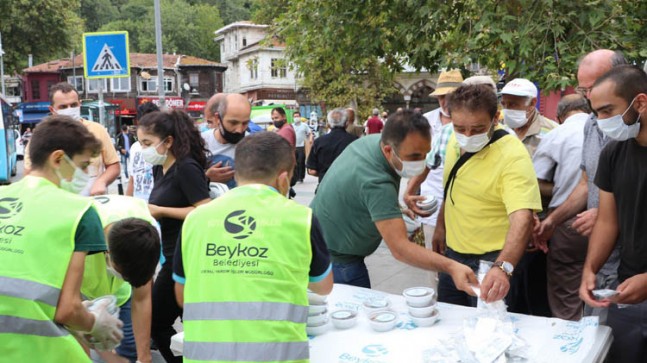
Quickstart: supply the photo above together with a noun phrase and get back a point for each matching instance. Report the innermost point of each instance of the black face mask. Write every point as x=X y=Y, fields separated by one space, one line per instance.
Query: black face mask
x=231 y=137
x=279 y=124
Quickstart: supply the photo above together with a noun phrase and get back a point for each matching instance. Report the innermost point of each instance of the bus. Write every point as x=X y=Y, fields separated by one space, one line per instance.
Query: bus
x=8 y=154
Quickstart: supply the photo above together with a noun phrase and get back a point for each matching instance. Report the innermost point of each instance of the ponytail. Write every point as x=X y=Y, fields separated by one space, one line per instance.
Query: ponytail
x=187 y=141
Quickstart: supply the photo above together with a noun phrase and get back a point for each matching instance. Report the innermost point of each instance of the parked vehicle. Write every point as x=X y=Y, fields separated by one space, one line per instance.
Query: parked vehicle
x=8 y=132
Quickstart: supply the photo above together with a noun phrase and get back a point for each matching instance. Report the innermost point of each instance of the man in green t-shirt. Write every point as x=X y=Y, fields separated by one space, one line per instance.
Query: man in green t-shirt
x=357 y=203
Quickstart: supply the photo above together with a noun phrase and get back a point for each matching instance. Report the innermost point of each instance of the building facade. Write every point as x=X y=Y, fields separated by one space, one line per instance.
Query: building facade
x=256 y=67
x=188 y=82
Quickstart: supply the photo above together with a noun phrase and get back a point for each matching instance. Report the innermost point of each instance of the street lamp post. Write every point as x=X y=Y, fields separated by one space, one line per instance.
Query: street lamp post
x=160 y=64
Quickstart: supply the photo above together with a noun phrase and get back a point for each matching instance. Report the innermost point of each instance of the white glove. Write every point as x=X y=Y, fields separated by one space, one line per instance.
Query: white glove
x=106 y=332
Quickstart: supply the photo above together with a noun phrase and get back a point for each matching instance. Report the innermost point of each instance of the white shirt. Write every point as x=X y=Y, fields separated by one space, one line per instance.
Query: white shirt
x=301 y=131
x=559 y=155
x=433 y=185
x=141 y=171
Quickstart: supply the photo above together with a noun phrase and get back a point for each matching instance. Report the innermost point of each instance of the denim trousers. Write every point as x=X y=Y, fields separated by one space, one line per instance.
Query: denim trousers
x=352 y=273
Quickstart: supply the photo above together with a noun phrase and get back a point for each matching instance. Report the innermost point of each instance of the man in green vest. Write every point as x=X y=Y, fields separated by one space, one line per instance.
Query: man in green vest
x=45 y=234
x=245 y=261
x=126 y=270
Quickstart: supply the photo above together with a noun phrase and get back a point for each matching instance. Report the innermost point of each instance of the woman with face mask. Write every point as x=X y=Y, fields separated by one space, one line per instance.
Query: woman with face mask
x=172 y=144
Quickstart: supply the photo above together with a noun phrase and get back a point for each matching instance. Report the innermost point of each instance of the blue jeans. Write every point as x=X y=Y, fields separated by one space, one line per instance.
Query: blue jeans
x=127 y=347
x=352 y=273
x=124 y=160
x=447 y=291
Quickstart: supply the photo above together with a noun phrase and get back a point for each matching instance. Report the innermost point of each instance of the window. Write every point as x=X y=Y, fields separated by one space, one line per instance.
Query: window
x=35 y=89
x=50 y=84
x=253 y=69
x=150 y=85
x=168 y=84
x=236 y=41
x=79 y=82
x=194 y=79
x=244 y=42
x=93 y=85
x=279 y=68
x=120 y=84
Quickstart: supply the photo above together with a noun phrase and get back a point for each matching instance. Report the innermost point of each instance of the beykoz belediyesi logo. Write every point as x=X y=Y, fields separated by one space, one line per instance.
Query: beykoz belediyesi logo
x=239 y=224
x=9 y=207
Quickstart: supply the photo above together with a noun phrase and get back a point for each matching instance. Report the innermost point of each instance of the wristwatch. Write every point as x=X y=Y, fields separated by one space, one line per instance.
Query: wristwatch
x=505 y=266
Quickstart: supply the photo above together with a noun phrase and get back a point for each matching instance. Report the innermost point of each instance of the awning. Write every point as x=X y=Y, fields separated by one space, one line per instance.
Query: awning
x=32 y=118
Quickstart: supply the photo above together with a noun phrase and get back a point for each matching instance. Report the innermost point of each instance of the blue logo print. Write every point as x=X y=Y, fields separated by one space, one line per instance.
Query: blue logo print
x=375 y=350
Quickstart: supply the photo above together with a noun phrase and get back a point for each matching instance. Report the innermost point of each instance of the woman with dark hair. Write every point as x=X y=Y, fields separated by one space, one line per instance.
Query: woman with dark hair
x=177 y=152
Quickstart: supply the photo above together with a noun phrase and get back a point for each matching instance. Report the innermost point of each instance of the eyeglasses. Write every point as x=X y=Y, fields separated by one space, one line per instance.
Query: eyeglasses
x=583 y=90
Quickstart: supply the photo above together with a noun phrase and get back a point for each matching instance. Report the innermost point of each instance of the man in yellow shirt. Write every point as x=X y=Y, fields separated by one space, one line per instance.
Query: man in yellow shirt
x=489 y=199
x=103 y=169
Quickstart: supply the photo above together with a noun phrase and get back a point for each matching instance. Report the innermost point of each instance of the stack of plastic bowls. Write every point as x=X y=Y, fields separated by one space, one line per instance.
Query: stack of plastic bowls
x=421 y=302
x=317 y=323
x=429 y=204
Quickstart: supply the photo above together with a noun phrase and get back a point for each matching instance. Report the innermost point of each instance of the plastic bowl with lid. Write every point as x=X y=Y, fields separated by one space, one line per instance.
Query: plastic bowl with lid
x=426 y=321
x=384 y=320
x=376 y=304
x=344 y=319
x=419 y=296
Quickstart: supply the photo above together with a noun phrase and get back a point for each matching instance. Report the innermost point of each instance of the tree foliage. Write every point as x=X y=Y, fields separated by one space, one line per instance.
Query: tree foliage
x=44 y=28
x=343 y=50
x=186 y=28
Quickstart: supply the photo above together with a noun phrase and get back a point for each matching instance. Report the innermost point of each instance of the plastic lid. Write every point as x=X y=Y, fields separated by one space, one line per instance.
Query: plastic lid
x=416 y=292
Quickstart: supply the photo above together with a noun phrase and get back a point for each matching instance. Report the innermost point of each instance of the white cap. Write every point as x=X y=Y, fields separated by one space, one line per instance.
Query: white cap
x=520 y=87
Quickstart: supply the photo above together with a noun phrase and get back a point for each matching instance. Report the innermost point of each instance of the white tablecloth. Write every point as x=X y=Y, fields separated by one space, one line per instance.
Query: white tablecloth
x=552 y=340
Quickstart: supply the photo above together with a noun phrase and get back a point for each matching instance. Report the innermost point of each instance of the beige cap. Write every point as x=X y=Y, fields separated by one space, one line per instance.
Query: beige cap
x=448 y=81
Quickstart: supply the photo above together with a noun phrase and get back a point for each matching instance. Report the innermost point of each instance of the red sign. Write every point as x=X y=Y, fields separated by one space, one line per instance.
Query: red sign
x=196 y=106
x=171 y=102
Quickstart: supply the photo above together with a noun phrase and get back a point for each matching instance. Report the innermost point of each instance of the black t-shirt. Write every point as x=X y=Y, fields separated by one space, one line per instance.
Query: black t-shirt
x=622 y=170
x=327 y=148
x=319 y=265
x=183 y=185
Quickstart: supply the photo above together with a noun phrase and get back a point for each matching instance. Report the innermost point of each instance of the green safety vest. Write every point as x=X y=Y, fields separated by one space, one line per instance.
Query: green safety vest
x=246 y=258
x=96 y=280
x=38 y=224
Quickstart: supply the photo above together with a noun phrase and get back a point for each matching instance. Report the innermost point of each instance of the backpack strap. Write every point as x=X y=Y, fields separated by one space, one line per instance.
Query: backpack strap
x=449 y=185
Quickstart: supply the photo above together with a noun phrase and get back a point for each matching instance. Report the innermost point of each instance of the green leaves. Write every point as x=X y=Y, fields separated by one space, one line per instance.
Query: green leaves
x=350 y=51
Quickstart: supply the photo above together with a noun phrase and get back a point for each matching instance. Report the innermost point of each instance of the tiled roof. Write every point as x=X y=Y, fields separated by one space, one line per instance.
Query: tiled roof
x=137 y=60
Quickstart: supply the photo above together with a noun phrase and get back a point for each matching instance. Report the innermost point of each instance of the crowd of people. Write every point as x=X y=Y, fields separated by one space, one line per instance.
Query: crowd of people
x=207 y=233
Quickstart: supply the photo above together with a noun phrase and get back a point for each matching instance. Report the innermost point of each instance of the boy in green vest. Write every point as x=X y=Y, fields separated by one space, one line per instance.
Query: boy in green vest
x=46 y=234
x=246 y=260
x=126 y=271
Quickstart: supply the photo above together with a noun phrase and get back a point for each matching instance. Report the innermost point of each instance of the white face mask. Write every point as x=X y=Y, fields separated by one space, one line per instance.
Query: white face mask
x=410 y=168
x=615 y=127
x=473 y=143
x=111 y=269
x=442 y=112
x=151 y=156
x=515 y=118
x=73 y=112
x=79 y=179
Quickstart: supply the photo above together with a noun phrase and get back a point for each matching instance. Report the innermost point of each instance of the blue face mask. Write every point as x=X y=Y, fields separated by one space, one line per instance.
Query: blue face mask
x=203 y=127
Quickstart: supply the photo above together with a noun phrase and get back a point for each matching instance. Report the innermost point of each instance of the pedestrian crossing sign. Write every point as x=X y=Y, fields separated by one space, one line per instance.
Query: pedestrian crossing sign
x=105 y=55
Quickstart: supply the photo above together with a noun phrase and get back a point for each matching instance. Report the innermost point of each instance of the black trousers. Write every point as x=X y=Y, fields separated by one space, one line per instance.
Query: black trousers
x=165 y=311
x=300 y=167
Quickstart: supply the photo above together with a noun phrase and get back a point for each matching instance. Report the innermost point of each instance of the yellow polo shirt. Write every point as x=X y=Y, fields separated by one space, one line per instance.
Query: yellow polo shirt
x=497 y=181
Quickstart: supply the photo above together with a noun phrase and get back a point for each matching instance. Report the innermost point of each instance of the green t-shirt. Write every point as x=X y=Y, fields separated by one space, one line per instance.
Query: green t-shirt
x=89 y=233
x=360 y=188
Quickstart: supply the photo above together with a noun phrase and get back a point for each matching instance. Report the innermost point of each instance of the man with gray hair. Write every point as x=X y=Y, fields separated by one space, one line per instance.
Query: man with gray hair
x=211 y=110
x=328 y=147
x=374 y=124
x=230 y=122
x=557 y=164
x=582 y=204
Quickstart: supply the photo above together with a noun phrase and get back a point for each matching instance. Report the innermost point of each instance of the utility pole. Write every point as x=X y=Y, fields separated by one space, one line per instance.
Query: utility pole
x=160 y=64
